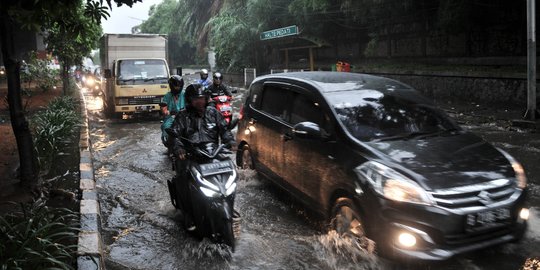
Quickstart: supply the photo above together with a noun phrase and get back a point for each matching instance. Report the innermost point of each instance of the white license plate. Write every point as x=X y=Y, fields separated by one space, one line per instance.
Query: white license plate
x=215 y=168
x=143 y=108
x=488 y=218
x=225 y=108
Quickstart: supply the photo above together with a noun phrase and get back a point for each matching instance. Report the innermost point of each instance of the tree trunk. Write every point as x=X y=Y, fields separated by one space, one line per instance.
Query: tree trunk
x=25 y=146
x=65 y=79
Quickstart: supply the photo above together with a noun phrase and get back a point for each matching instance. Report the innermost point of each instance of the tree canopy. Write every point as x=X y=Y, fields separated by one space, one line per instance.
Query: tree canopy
x=232 y=27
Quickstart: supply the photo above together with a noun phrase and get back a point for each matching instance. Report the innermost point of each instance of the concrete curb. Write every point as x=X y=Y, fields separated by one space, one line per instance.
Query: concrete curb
x=89 y=250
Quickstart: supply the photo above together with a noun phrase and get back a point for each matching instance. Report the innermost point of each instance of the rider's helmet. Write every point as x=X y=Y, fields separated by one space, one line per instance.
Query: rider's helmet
x=194 y=90
x=176 y=83
x=218 y=78
x=204 y=74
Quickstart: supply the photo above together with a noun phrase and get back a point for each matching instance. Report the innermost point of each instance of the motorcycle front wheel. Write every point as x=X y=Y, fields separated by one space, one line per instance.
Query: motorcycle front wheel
x=227 y=234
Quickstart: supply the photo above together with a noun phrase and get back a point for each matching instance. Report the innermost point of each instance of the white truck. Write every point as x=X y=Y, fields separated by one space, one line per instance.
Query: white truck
x=136 y=73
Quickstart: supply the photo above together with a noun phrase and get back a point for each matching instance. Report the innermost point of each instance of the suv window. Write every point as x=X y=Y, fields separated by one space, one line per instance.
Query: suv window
x=370 y=115
x=305 y=110
x=276 y=101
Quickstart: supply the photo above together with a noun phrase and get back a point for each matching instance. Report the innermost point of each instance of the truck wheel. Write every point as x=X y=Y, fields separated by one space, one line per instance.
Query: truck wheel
x=346 y=219
x=244 y=159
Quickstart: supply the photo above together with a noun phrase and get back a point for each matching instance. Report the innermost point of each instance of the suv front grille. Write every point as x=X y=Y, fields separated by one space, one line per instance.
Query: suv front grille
x=479 y=195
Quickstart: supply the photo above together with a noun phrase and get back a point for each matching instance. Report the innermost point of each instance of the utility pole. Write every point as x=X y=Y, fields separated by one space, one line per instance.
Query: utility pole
x=531 y=61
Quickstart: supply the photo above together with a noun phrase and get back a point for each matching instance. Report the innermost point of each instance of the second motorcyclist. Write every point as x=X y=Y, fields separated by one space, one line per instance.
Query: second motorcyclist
x=171 y=104
x=198 y=123
x=217 y=88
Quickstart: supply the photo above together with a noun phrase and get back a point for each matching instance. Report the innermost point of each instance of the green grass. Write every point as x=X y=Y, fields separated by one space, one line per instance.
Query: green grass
x=38 y=237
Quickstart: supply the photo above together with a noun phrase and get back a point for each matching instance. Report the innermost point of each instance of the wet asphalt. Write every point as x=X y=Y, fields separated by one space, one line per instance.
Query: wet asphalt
x=142 y=230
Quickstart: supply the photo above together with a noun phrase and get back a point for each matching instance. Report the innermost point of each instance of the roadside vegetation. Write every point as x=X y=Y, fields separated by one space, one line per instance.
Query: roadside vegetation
x=54 y=128
x=43 y=234
x=36 y=236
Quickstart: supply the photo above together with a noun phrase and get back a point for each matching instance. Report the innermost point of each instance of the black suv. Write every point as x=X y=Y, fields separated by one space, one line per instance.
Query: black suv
x=378 y=159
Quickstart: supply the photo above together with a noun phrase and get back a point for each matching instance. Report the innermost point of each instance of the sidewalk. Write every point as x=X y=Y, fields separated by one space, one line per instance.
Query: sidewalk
x=508 y=117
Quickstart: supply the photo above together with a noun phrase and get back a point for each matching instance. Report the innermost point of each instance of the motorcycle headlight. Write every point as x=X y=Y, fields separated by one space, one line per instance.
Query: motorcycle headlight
x=391 y=184
x=209 y=193
x=205 y=182
x=90 y=81
x=521 y=178
x=230 y=180
x=231 y=189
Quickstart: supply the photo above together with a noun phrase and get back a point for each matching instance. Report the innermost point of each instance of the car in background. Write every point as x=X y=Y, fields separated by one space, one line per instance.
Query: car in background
x=92 y=81
x=377 y=159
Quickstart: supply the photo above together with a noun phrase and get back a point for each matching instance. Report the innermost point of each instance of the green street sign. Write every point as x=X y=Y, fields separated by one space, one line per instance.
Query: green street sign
x=280 y=32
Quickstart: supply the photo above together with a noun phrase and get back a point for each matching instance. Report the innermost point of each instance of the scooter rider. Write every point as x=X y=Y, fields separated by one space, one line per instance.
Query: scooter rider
x=217 y=88
x=204 y=81
x=171 y=104
x=197 y=123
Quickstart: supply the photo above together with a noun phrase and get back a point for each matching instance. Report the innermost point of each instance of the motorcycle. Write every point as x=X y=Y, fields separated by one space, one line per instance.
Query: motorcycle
x=224 y=106
x=212 y=180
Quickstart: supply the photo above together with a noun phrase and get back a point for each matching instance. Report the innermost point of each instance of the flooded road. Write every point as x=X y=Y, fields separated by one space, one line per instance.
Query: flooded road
x=142 y=230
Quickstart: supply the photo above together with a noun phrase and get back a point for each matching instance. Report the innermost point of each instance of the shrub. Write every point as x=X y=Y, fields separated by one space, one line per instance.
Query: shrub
x=53 y=128
x=39 y=72
x=38 y=237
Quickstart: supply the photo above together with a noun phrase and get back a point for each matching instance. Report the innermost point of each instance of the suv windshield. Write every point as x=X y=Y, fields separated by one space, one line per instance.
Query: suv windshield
x=142 y=72
x=373 y=115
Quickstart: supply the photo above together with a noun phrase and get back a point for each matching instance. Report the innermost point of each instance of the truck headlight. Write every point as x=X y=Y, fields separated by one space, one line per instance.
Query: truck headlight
x=521 y=178
x=123 y=101
x=391 y=184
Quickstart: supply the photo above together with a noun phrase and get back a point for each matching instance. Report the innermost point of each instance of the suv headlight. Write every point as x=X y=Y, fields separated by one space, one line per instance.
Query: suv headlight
x=518 y=169
x=391 y=184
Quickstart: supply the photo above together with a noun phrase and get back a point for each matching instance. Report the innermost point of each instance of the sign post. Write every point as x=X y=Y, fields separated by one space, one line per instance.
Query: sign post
x=531 y=61
x=280 y=32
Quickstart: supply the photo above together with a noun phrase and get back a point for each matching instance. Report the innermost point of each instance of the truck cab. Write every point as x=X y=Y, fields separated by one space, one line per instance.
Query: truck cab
x=136 y=86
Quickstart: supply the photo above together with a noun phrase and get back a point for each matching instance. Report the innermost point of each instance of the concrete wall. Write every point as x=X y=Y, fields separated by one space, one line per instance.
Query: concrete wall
x=509 y=91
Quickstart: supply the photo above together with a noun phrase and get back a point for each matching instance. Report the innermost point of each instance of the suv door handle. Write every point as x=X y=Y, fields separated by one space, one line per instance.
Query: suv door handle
x=286 y=137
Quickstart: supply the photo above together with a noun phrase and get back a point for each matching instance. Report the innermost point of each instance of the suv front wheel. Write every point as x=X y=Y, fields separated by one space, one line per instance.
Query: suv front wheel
x=346 y=219
x=244 y=159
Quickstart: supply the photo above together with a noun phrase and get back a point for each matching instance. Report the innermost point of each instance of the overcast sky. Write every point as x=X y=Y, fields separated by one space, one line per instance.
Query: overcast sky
x=124 y=18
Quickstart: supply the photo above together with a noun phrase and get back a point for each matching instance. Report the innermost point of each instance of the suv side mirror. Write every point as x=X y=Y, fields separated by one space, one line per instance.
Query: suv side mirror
x=107 y=73
x=307 y=130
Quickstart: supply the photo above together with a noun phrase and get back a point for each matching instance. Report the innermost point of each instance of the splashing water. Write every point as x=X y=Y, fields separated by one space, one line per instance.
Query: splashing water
x=206 y=249
x=346 y=252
